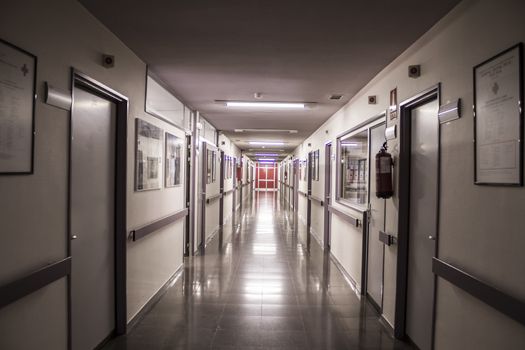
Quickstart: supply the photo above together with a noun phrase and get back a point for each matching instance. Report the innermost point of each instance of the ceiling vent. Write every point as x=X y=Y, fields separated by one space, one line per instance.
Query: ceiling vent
x=336 y=97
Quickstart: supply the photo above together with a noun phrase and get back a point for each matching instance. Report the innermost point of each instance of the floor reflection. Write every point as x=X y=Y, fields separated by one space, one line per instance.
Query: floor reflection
x=257 y=288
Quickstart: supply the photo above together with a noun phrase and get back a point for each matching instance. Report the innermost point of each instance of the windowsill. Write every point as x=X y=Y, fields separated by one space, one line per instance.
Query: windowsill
x=357 y=207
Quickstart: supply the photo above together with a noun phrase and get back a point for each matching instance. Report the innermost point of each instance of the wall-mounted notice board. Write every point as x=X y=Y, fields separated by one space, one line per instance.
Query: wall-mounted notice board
x=17 y=109
x=498 y=119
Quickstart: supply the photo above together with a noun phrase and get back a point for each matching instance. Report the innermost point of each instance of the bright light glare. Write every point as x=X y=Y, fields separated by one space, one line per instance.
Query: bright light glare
x=265 y=143
x=266 y=154
x=351 y=144
x=285 y=105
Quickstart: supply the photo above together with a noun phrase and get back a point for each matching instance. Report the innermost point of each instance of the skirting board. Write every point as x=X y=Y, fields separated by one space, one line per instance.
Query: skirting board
x=155 y=299
x=316 y=236
x=387 y=326
x=212 y=236
x=353 y=284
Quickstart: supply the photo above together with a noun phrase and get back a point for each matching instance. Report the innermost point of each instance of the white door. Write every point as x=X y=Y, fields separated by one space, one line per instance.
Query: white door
x=422 y=223
x=92 y=219
x=377 y=223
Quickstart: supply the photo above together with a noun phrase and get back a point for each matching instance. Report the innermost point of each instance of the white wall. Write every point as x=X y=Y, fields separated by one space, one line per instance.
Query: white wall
x=62 y=34
x=153 y=259
x=481 y=228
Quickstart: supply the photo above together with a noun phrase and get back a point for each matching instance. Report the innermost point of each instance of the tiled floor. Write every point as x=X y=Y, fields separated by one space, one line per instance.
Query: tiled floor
x=256 y=288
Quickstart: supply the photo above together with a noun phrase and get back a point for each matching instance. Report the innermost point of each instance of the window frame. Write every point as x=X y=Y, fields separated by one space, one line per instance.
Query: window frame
x=367 y=125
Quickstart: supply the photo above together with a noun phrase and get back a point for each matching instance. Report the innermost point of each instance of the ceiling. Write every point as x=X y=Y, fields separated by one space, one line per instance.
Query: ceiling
x=287 y=50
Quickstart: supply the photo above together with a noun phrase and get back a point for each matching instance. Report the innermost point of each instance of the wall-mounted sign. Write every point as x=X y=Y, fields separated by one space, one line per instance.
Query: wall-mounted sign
x=391 y=132
x=57 y=97
x=392 y=109
x=17 y=109
x=498 y=119
x=450 y=111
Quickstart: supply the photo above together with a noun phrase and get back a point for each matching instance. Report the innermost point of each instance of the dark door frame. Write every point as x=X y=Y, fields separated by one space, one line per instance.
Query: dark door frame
x=377 y=121
x=204 y=182
x=295 y=184
x=221 y=191
x=309 y=202
x=241 y=182
x=327 y=193
x=405 y=122
x=187 y=195
x=81 y=80
x=234 y=187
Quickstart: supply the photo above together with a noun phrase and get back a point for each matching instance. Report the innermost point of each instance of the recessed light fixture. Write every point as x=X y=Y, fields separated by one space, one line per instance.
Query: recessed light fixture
x=266 y=143
x=272 y=105
x=266 y=154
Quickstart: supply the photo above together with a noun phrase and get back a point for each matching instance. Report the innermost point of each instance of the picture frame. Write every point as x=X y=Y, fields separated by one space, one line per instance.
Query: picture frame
x=498 y=119
x=148 y=156
x=18 y=69
x=173 y=160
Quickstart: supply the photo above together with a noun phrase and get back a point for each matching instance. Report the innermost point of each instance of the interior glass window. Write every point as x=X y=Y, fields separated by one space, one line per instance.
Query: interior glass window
x=353 y=166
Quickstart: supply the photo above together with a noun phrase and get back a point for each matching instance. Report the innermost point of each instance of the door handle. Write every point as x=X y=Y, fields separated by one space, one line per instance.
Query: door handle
x=74 y=237
x=432 y=238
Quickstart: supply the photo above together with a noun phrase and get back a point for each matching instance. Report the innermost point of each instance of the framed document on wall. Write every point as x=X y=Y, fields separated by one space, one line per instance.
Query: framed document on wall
x=148 y=156
x=17 y=109
x=498 y=119
x=173 y=154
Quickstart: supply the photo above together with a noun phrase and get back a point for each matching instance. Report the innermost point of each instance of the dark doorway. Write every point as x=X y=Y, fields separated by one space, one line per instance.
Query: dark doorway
x=327 y=193
x=97 y=213
x=418 y=217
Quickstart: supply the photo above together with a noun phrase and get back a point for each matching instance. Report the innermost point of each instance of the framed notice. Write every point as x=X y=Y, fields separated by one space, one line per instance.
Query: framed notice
x=173 y=154
x=498 y=119
x=148 y=156
x=17 y=109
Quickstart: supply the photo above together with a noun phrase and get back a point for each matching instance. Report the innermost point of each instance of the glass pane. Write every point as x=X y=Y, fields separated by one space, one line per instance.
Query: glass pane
x=354 y=168
x=161 y=102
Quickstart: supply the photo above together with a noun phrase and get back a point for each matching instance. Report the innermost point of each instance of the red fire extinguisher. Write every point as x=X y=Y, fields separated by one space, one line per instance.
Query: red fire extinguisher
x=384 y=165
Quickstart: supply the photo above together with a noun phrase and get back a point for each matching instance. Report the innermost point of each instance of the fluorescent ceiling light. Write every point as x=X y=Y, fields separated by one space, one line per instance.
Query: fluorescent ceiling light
x=267 y=130
x=266 y=154
x=258 y=149
x=284 y=105
x=272 y=159
x=351 y=144
x=266 y=143
x=266 y=161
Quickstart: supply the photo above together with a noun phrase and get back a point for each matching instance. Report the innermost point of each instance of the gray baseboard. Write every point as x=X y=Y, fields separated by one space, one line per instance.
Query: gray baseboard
x=155 y=298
